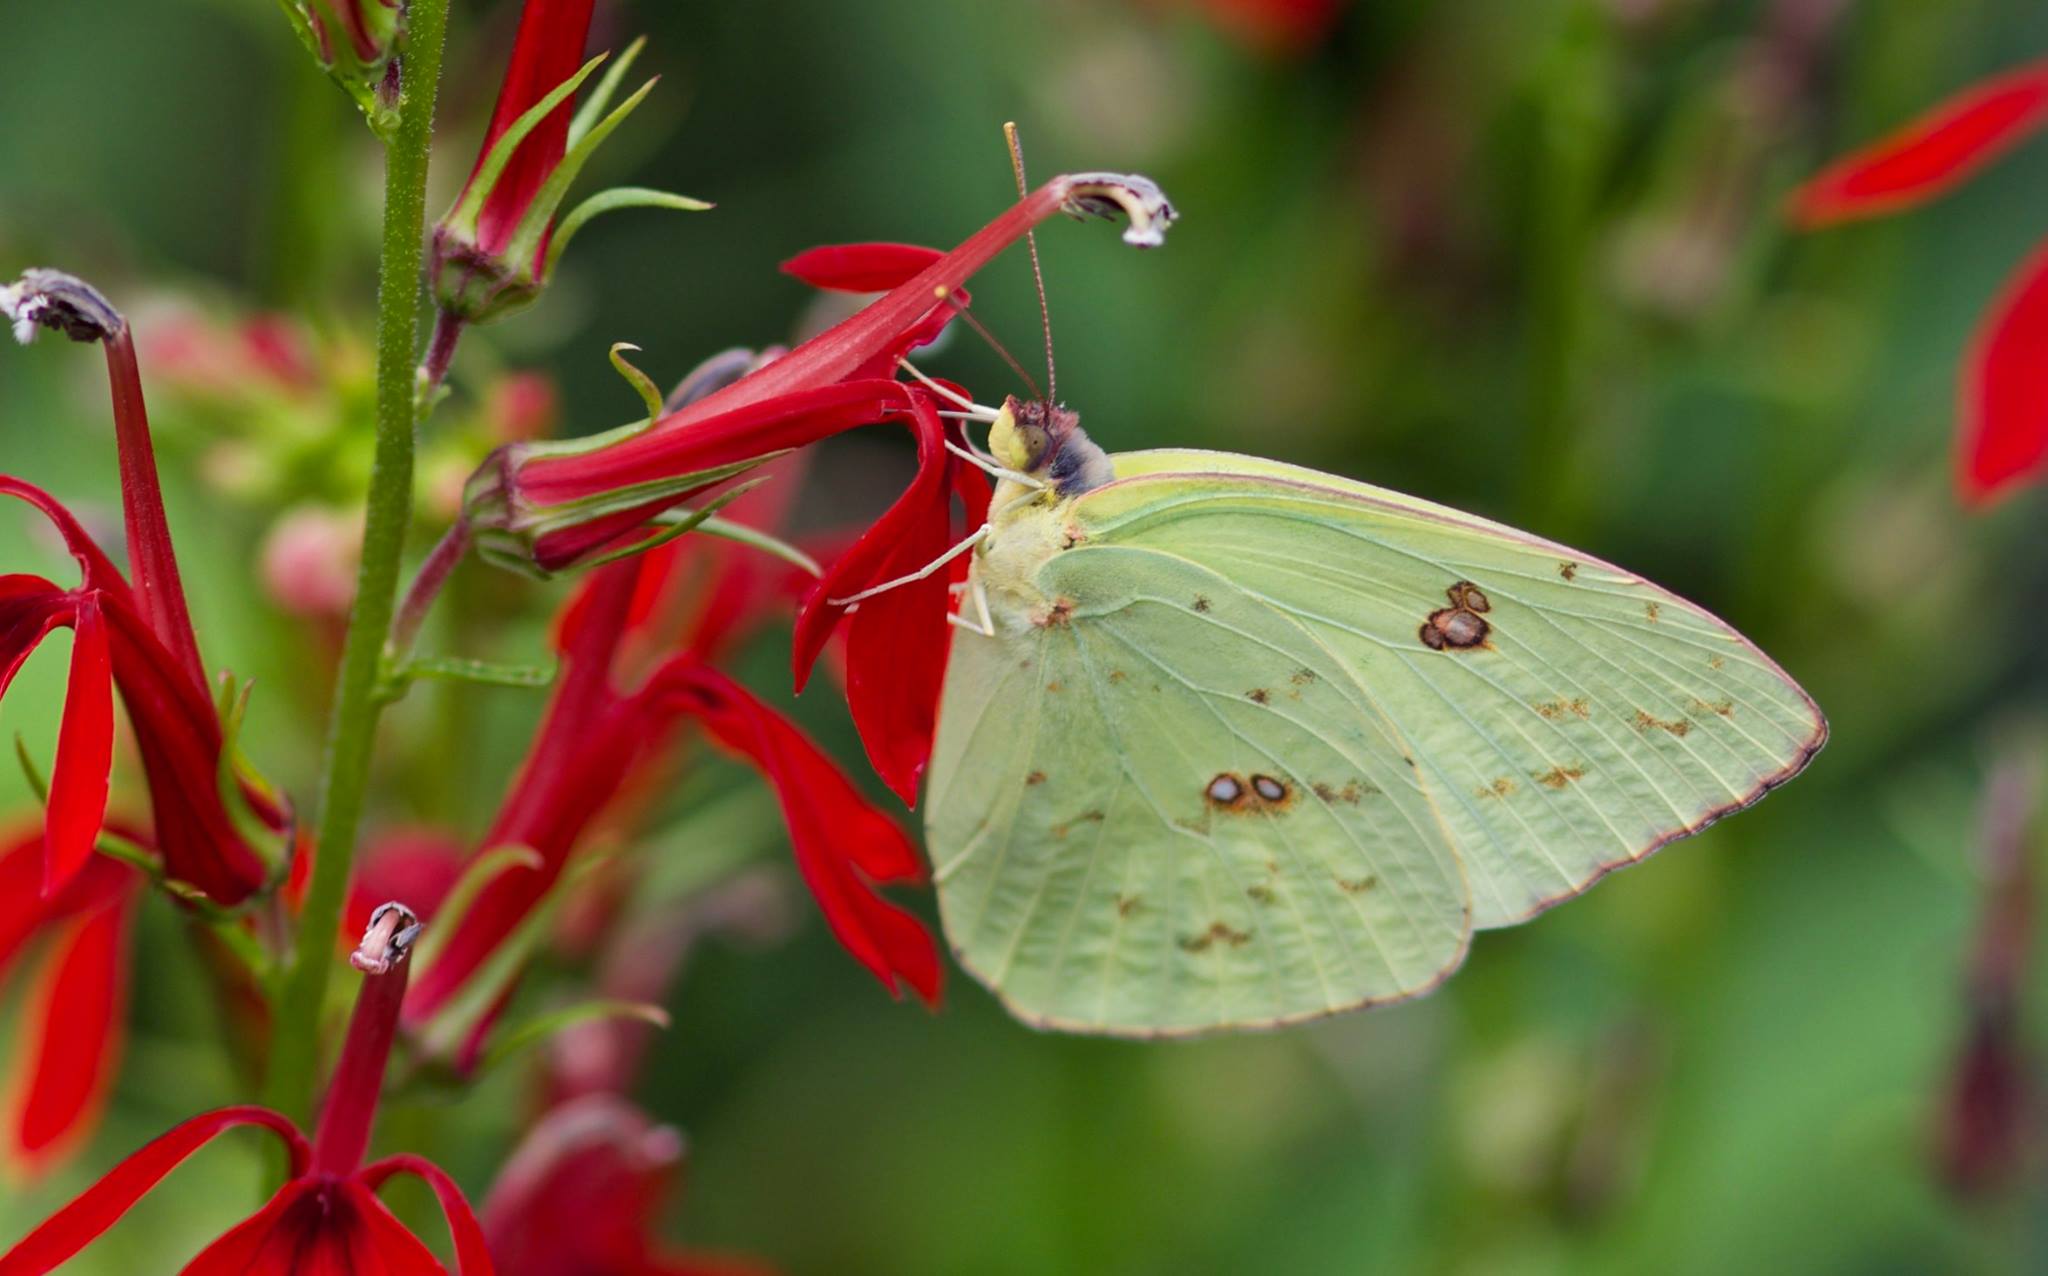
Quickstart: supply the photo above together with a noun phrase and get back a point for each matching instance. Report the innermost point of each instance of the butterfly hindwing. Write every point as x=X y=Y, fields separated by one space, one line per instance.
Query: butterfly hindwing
x=1167 y=808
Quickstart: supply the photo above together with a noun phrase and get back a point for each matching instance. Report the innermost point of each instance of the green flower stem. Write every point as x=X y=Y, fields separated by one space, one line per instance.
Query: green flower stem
x=352 y=726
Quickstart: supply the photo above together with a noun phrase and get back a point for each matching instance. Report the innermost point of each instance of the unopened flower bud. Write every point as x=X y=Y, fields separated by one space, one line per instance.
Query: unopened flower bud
x=355 y=42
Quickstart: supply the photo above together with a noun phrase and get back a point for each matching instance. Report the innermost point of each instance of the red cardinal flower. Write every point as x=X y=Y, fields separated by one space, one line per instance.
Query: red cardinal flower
x=615 y=710
x=326 y=1219
x=582 y=1195
x=138 y=639
x=77 y=1003
x=545 y=507
x=2003 y=409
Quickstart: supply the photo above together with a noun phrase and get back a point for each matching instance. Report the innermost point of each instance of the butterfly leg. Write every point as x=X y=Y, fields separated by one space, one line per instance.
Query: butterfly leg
x=983 y=624
x=973 y=539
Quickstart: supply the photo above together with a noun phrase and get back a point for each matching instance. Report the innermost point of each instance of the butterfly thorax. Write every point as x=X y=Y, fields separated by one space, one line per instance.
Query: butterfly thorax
x=1029 y=520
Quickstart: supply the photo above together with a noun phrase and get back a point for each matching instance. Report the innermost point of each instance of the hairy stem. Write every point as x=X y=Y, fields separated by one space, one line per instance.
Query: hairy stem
x=352 y=724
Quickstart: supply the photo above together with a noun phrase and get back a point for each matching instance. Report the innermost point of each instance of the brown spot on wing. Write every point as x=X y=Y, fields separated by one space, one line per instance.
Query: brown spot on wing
x=1559 y=776
x=1499 y=788
x=1116 y=675
x=1201 y=603
x=1569 y=571
x=1651 y=609
x=1676 y=726
x=1459 y=625
x=1723 y=707
x=1258 y=695
x=1561 y=707
x=1468 y=596
x=1358 y=885
x=1060 y=613
x=1085 y=817
x=1302 y=677
x=1036 y=777
x=1259 y=893
x=1218 y=932
x=1126 y=905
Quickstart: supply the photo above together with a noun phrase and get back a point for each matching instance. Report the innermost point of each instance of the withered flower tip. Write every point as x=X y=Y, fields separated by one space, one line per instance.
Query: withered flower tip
x=387 y=940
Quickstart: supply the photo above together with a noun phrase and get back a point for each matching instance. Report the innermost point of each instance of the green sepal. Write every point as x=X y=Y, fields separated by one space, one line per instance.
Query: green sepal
x=396 y=679
x=674 y=523
x=459 y=1019
x=774 y=546
x=533 y=226
x=485 y=179
x=507 y=528
x=462 y=896
x=643 y=385
x=539 y=1028
x=593 y=107
x=38 y=783
x=235 y=773
x=606 y=201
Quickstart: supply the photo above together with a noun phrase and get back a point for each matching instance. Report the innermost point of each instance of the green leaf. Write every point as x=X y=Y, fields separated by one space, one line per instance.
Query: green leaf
x=606 y=201
x=541 y=1027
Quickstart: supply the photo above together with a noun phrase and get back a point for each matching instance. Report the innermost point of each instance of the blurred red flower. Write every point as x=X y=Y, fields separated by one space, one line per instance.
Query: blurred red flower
x=627 y=684
x=326 y=1219
x=581 y=1196
x=2002 y=436
x=177 y=729
x=69 y=1046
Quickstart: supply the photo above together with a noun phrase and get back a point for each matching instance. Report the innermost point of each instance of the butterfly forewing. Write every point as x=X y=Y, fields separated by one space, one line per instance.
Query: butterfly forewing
x=1568 y=716
x=1164 y=807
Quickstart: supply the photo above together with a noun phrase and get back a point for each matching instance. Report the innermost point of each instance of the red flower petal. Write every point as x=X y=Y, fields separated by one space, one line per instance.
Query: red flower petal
x=854 y=344
x=896 y=642
x=2004 y=429
x=237 y=1252
x=98 y=570
x=318 y=1227
x=85 y=753
x=1930 y=155
x=71 y=1058
x=860 y=267
x=843 y=845
x=472 y=1255
x=74 y=1227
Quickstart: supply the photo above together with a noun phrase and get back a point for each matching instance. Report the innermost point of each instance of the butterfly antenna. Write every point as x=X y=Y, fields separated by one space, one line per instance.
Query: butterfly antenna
x=1052 y=380
x=981 y=329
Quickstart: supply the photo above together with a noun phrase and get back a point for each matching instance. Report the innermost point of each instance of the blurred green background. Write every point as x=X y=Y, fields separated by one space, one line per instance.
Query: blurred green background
x=1520 y=256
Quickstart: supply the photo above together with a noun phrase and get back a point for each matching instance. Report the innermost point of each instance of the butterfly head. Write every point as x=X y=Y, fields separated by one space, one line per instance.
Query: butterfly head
x=1046 y=441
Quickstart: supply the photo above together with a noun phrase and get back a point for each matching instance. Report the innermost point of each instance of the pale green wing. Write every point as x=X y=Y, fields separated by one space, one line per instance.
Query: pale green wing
x=1125 y=842
x=1598 y=717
